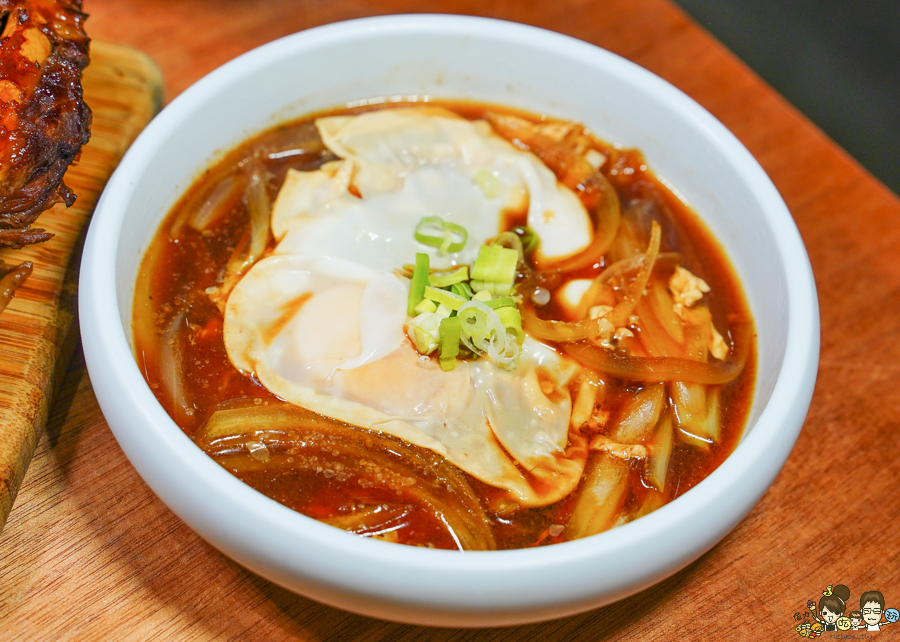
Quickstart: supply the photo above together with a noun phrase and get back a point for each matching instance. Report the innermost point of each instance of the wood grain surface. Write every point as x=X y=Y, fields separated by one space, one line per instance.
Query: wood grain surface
x=89 y=553
x=37 y=330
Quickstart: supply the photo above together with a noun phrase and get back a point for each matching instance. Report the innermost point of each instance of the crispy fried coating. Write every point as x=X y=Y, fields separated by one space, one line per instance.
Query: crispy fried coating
x=11 y=277
x=44 y=120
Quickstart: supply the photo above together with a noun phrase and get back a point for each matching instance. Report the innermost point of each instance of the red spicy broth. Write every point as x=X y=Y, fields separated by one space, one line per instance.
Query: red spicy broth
x=334 y=472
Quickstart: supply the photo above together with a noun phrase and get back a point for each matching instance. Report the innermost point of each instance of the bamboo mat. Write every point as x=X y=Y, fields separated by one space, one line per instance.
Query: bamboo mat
x=38 y=331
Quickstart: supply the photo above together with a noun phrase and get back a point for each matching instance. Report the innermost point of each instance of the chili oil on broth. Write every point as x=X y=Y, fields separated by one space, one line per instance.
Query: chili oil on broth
x=376 y=484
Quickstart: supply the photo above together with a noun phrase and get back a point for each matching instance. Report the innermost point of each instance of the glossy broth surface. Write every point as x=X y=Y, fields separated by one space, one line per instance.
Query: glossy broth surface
x=320 y=475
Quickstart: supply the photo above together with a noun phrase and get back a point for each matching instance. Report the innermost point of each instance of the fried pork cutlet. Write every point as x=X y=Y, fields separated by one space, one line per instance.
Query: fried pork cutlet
x=44 y=121
x=11 y=277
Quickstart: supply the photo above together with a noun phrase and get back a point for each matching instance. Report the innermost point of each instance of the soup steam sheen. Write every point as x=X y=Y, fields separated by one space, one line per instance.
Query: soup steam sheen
x=446 y=324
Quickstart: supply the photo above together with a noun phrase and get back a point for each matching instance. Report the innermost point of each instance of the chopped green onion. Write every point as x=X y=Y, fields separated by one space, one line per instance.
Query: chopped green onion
x=423 y=331
x=418 y=283
x=443 y=311
x=468 y=310
x=473 y=321
x=426 y=306
x=449 y=342
x=494 y=289
x=462 y=289
x=444 y=280
x=488 y=182
x=501 y=303
x=530 y=239
x=496 y=264
x=511 y=319
x=436 y=232
x=446 y=297
x=509 y=240
x=484 y=333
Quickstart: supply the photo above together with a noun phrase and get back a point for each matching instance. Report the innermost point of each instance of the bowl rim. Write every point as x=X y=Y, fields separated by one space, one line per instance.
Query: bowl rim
x=760 y=453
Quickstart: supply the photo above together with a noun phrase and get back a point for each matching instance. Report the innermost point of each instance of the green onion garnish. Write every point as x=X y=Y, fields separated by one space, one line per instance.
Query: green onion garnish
x=529 y=238
x=446 y=280
x=495 y=264
x=473 y=321
x=485 y=333
x=449 y=342
x=418 y=284
x=424 y=332
x=469 y=310
x=444 y=235
x=493 y=289
x=449 y=299
x=500 y=303
x=426 y=306
x=462 y=289
x=443 y=311
x=511 y=319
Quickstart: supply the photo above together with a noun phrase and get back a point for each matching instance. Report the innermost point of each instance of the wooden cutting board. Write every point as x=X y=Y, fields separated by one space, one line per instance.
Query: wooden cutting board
x=38 y=330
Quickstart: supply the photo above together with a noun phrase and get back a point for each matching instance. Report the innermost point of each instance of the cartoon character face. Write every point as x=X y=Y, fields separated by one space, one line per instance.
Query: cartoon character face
x=855 y=621
x=871 y=613
x=829 y=616
x=843 y=623
x=892 y=615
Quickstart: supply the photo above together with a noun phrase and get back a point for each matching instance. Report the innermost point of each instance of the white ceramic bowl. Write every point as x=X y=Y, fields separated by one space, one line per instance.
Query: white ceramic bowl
x=452 y=57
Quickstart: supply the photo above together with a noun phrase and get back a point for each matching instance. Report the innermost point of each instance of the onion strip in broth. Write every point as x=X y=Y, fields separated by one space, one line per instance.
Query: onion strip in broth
x=171 y=371
x=590 y=328
x=234 y=432
x=664 y=368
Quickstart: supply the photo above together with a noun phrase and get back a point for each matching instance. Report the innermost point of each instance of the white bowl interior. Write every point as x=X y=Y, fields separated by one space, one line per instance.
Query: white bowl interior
x=465 y=58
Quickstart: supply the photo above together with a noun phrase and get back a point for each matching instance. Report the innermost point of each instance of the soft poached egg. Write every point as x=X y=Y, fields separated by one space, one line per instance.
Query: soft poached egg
x=320 y=320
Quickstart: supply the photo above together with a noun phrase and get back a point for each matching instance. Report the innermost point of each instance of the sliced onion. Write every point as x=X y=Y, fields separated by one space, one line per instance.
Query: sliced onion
x=697 y=410
x=372 y=521
x=551 y=330
x=653 y=500
x=430 y=482
x=290 y=142
x=606 y=216
x=260 y=212
x=601 y=497
x=171 y=372
x=639 y=415
x=662 y=331
x=665 y=368
x=657 y=464
x=591 y=391
x=210 y=210
x=635 y=290
x=251 y=245
x=601 y=282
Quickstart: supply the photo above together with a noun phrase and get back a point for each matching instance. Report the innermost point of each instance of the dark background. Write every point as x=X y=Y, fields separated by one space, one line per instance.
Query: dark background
x=838 y=61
